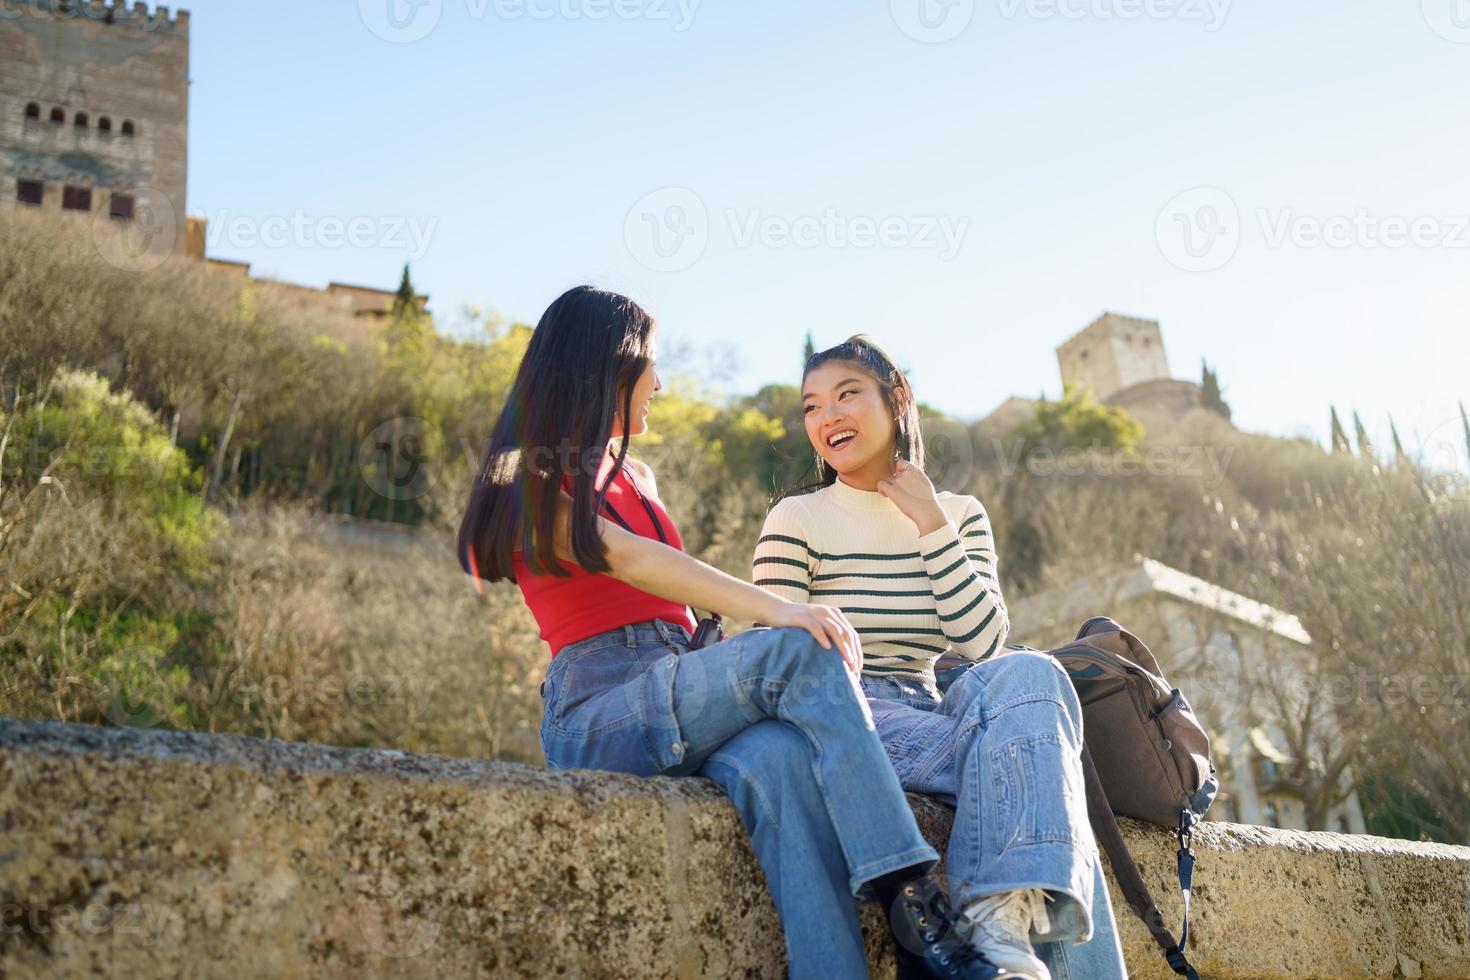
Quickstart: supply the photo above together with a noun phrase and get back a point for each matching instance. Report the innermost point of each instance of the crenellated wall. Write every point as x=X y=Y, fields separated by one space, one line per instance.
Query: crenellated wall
x=129 y=853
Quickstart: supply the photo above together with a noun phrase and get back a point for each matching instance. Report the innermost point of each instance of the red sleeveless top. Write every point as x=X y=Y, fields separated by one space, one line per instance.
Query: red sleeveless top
x=588 y=603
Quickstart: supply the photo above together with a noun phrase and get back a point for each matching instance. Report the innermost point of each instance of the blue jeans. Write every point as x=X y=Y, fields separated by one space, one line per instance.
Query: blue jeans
x=1002 y=745
x=780 y=724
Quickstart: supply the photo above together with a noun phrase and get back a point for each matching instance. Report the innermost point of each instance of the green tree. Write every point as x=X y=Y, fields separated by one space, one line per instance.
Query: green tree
x=406 y=300
x=1400 y=457
x=1365 y=445
x=808 y=350
x=1211 y=397
x=1078 y=421
x=1339 y=436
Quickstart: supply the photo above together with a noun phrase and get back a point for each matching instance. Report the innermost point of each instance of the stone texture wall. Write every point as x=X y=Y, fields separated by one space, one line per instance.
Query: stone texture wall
x=122 y=62
x=151 y=854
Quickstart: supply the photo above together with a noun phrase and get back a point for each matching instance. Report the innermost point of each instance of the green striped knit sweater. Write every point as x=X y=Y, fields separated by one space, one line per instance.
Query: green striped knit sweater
x=911 y=598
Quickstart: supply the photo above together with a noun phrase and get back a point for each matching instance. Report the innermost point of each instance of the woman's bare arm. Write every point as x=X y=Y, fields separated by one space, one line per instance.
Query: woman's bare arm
x=658 y=569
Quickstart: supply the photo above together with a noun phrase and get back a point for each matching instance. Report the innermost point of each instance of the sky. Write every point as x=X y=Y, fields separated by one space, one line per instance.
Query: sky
x=1284 y=186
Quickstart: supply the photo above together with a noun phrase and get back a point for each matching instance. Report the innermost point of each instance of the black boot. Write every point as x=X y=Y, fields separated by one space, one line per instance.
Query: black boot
x=929 y=937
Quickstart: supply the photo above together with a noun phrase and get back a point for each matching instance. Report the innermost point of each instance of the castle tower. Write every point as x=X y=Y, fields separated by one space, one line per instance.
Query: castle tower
x=94 y=105
x=1114 y=352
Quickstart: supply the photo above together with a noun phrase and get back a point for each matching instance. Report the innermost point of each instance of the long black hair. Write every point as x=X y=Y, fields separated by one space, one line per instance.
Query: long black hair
x=587 y=352
x=865 y=353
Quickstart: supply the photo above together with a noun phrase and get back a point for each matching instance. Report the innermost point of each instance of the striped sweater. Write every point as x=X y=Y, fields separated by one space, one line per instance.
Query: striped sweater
x=911 y=598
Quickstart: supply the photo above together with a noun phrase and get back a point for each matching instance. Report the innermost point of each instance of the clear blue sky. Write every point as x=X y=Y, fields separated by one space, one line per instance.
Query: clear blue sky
x=1053 y=134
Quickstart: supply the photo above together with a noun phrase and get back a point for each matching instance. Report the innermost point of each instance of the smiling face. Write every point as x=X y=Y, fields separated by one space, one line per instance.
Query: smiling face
x=643 y=391
x=848 y=421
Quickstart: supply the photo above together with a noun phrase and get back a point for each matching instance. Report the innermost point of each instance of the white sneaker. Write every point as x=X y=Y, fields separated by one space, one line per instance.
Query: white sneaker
x=1003 y=925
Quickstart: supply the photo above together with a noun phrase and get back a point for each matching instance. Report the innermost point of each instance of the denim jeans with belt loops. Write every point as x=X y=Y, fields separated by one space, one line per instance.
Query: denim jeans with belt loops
x=782 y=725
x=1002 y=745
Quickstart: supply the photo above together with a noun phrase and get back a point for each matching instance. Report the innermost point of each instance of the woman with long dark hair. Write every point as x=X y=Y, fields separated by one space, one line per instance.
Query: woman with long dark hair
x=915 y=571
x=774 y=716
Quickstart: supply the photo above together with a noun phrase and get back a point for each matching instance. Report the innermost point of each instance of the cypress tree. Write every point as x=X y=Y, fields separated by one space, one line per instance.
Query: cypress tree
x=1365 y=446
x=405 y=301
x=1339 y=436
x=1400 y=457
x=1210 y=396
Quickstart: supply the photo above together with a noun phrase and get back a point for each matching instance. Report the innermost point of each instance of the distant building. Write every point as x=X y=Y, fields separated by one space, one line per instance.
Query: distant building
x=94 y=109
x=1121 y=360
x=1221 y=649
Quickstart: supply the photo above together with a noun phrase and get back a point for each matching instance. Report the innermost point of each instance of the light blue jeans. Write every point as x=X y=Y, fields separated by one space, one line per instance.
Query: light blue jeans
x=1002 y=745
x=780 y=724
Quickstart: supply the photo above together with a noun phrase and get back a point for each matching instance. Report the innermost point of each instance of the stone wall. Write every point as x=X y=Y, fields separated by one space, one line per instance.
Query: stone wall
x=152 y=854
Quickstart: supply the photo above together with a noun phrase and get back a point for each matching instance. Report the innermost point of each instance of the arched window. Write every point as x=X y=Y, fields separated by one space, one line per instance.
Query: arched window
x=81 y=120
x=127 y=127
x=104 y=125
x=58 y=116
x=33 y=111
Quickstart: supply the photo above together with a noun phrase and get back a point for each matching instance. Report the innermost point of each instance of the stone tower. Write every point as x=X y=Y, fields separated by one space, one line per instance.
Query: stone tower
x=94 y=105
x=1114 y=352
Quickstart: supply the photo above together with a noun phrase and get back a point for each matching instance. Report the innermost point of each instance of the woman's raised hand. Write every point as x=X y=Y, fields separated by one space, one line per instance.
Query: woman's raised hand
x=912 y=493
x=828 y=624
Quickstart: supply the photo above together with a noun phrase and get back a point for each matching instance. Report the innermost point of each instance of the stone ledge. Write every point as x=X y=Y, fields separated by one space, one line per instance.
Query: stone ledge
x=151 y=854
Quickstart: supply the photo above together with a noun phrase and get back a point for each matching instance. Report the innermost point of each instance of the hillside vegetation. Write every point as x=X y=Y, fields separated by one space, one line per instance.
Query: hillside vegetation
x=180 y=450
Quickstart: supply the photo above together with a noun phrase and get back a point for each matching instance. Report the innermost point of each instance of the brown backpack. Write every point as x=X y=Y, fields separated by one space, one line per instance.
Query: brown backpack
x=1145 y=755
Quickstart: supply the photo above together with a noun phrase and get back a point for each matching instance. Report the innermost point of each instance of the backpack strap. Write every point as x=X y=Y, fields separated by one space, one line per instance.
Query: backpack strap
x=1105 y=828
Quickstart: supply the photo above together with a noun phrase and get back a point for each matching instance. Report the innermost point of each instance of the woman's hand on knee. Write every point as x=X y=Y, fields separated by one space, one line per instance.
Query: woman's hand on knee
x=828 y=624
